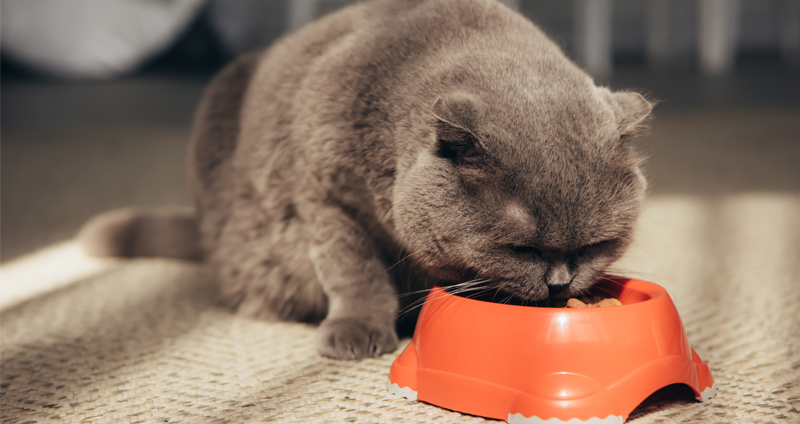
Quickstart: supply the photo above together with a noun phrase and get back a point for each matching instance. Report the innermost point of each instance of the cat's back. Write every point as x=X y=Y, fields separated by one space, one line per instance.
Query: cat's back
x=386 y=37
x=362 y=68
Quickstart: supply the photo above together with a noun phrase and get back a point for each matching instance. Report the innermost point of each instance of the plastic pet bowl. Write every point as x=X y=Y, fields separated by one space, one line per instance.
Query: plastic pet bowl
x=549 y=365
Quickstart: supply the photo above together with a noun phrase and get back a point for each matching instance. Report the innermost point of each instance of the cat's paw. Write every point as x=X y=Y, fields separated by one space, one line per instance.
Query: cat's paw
x=353 y=338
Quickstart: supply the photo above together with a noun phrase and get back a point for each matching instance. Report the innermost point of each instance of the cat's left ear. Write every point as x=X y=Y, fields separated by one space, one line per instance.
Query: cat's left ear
x=457 y=115
x=632 y=110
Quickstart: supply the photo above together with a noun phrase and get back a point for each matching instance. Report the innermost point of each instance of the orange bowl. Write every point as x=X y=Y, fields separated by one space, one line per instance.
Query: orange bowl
x=534 y=365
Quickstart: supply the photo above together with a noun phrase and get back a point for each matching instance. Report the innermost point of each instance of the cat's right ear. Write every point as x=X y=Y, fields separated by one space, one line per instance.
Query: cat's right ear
x=456 y=119
x=633 y=110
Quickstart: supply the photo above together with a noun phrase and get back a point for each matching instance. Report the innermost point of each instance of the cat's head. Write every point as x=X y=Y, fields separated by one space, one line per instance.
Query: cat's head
x=537 y=194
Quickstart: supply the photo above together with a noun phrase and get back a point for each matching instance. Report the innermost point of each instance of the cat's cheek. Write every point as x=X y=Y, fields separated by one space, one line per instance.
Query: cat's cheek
x=585 y=277
x=407 y=223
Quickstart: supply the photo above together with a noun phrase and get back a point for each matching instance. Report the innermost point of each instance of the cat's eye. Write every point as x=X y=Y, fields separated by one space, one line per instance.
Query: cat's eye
x=457 y=144
x=524 y=250
x=603 y=243
x=458 y=149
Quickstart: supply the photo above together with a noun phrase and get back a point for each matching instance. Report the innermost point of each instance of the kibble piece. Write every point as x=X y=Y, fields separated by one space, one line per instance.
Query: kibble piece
x=575 y=303
x=597 y=303
x=606 y=302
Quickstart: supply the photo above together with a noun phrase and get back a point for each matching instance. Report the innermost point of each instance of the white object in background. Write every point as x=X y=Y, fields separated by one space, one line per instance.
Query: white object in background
x=718 y=30
x=301 y=12
x=91 y=39
x=790 y=31
x=593 y=36
x=48 y=269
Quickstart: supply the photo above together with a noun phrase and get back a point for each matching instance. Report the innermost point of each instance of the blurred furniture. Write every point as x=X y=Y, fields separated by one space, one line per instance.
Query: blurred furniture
x=716 y=44
x=789 y=11
x=713 y=36
x=593 y=36
x=301 y=12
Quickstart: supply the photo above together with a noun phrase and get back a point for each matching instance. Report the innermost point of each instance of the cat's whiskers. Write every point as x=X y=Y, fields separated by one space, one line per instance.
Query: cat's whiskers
x=417 y=304
x=495 y=293
x=466 y=289
x=466 y=283
x=463 y=298
x=460 y=288
x=398 y=262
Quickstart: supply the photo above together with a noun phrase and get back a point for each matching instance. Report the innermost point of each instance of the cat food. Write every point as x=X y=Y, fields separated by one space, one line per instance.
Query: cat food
x=593 y=303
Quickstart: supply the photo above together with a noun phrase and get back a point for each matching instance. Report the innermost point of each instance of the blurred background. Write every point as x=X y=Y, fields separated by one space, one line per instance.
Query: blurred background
x=98 y=95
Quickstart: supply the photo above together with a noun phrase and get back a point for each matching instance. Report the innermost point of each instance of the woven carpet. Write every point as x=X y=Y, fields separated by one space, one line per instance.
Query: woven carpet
x=146 y=341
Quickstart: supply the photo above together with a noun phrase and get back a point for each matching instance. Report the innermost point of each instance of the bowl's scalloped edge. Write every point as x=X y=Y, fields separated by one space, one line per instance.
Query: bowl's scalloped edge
x=405 y=392
x=409 y=394
x=708 y=393
x=521 y=419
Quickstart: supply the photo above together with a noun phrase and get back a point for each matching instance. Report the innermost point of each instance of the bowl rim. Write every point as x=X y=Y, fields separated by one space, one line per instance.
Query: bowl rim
x=653 y=292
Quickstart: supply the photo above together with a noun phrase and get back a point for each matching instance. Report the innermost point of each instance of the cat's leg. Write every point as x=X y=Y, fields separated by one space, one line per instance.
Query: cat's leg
x=362 y=301
x=261 y=259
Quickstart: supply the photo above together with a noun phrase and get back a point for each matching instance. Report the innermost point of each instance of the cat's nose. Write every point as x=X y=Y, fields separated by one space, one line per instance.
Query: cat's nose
x=554 y=289
x=558 y=278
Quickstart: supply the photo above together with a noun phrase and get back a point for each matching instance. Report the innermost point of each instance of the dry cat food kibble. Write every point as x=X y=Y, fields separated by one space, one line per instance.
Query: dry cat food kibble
x=578 y=303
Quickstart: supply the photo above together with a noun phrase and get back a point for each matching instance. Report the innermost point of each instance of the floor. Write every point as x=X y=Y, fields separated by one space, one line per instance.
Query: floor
x=146 y=340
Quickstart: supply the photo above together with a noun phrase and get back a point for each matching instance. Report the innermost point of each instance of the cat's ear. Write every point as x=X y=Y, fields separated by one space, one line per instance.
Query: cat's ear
x=632 y=111
x=457 y=115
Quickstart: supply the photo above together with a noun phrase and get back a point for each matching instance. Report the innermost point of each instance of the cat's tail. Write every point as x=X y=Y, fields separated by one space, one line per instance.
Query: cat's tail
x=131 y=233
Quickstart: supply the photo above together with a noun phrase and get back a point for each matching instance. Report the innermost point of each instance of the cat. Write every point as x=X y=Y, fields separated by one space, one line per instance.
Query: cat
x=391 y=145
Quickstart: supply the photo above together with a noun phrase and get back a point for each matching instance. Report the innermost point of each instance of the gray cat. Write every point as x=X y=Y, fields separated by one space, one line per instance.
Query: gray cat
x=394 y=144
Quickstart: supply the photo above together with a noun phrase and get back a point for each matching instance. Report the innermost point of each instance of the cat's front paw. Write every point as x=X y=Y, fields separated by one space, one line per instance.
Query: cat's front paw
x=353 y=338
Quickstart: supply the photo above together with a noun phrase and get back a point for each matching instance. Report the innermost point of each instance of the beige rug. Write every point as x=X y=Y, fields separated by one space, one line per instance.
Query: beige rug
x=144 y=341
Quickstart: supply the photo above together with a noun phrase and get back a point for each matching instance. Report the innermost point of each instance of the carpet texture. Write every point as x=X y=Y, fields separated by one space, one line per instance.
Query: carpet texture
x=146 y=341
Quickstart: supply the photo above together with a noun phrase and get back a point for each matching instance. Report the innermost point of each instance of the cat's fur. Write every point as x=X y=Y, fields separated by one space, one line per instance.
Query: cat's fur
x=453 y=132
